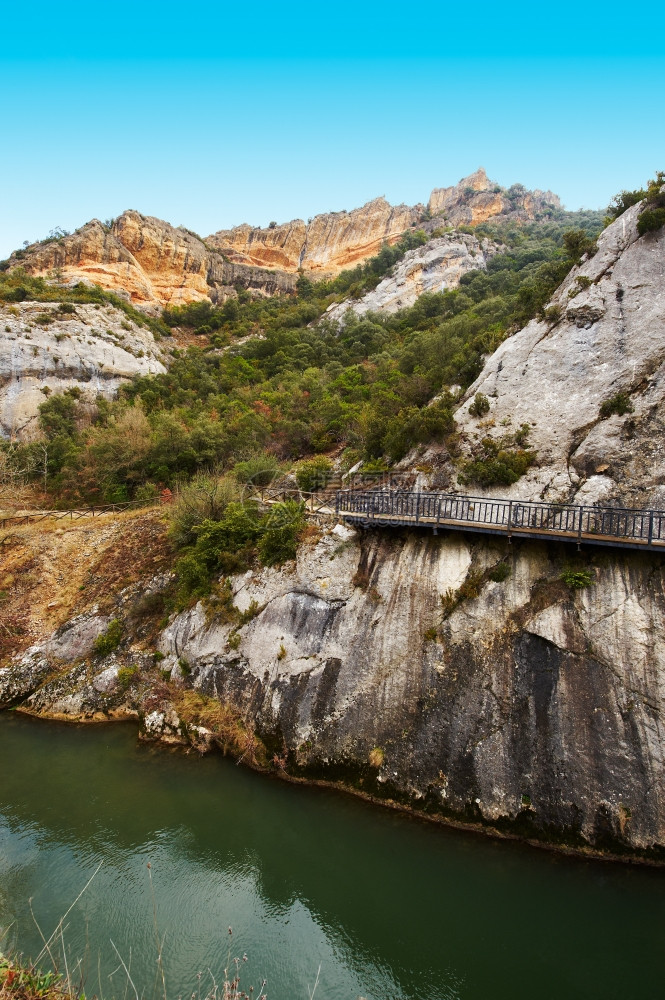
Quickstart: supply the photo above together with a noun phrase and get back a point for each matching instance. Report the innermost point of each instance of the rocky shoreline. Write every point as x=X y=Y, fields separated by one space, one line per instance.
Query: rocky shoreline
x=395 y=667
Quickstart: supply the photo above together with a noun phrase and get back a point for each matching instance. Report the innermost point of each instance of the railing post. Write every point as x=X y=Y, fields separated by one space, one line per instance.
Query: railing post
x=579 y=530
x=650 y=527
x=417 y=507
x=337 y=503
x=510 y=519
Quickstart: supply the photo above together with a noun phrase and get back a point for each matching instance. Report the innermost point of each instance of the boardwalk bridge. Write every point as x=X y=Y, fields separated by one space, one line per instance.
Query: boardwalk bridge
x=623 y=527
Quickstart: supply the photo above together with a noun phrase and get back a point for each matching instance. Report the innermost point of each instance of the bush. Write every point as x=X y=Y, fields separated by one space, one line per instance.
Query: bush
x=147 y=491
x=652 y=217
x=281 y=530
x=109 y=640
x=577 y=579
x=126 y=675
x=205 y=498
x=499 y=573
x=480 y=405
x=314 y=474
x=650 y=220
x=224 y=546
x=618 y=404
x=259 y=470
x=623 y=201
x=502 y=469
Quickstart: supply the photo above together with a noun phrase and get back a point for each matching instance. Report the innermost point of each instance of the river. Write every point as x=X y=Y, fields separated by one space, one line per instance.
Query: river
x=385 y=905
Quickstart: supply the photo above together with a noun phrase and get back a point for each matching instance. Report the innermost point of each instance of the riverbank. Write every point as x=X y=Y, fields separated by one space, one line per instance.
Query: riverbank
x=455 y=677
x=386 y=904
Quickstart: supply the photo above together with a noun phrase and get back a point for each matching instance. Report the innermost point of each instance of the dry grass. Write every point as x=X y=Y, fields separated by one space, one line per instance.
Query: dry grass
x=54 y=570
x=230 y=730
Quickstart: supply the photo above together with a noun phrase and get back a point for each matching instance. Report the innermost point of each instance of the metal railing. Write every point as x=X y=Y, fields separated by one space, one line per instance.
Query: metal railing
x=621 y=526
x=73 y=514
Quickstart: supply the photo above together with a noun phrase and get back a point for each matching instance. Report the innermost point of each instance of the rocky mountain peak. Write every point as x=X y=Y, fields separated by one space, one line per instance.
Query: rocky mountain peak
x=476 y=198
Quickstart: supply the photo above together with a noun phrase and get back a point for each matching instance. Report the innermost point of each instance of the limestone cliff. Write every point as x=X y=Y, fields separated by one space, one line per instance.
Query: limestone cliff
x=604 y=335
x=42 y=349
x=434 y=267
x=331 y=242
x=157 y=264
x=524 y=708
x=153 y=263
x=476 y=199
x=325 y=245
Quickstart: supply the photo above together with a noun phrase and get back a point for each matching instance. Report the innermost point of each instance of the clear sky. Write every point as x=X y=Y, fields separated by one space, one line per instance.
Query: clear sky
x=213 y=114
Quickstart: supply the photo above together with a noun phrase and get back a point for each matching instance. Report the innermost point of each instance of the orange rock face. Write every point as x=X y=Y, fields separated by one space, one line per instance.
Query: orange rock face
x=157 y=264
x=325 y=245
x=476 y=199
x=153 y=263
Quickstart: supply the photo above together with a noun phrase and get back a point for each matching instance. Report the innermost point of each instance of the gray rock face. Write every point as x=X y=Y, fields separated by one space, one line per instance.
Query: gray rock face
x=91 y=351
x=520 y=705
x=22 y=677
x=537 y=709
x=434 y=267
x=607 y=336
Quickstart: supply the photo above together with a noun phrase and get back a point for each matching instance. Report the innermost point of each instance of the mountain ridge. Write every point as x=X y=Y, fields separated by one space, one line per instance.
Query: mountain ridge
x=156 y=264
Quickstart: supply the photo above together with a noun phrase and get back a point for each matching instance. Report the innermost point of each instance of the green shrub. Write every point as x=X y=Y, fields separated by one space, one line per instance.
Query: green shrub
x=281 y=530
x=110 y=639
x=480 y=405
x=652 y=216
x=577 y=579
x=314 y=474
x=552 y=314
x=501 y=461
x=650 y=220
x=225 y=546
x=623 y=201
x=205 y=498
x=500 y=572
x=619 y=404
x=259 y=470
x=126 y=675
x=147 y=491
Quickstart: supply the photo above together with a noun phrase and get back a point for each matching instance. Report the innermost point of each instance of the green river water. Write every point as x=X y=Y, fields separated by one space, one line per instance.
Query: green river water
x=386 y=905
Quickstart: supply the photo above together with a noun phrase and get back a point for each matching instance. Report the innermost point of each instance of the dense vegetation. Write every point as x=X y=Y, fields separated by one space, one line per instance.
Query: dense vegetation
x=293 y=389
x=652 y=216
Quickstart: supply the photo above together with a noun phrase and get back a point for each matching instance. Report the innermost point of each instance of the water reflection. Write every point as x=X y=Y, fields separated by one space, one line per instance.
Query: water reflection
x=388 y=907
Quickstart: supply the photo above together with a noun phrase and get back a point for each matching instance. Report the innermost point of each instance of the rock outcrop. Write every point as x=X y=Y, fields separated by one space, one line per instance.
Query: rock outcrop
x=476 y=199
x=148 y=260
x=521 y=706
x=336 y=240
x=325 y=245
x=42 y=350
x=604 y=335
x=434 y=267
x=157 y=264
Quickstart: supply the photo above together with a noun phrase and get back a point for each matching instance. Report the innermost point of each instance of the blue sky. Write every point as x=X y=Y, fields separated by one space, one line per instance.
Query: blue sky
x=218 y=114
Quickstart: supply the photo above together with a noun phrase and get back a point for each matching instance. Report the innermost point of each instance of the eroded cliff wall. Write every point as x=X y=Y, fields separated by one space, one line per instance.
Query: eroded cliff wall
x=43 y=350
x=520 y=705
x=148 y=260
x=156 y=264
x=333 y=241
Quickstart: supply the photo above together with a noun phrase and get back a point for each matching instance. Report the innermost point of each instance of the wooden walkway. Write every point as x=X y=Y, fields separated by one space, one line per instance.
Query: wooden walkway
x=622 y=527
x=33 y=516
